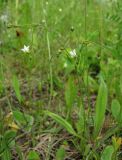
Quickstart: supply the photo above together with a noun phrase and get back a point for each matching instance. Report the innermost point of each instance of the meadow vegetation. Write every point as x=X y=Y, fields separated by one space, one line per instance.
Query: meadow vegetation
x=60 y=80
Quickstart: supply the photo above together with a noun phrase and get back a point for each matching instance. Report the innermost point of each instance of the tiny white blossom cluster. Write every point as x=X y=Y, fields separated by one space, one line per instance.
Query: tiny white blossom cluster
x=25 y=49
x=73 y=53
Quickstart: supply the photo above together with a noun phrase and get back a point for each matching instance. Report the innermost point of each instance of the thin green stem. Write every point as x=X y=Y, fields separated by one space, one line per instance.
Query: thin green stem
x=17 y=4
x=49 y=54
x=101 y=29
x=87 y=72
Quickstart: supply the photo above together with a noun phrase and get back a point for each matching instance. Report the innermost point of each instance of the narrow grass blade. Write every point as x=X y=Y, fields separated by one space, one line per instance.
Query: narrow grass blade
x=115 y=108
x=16 y=87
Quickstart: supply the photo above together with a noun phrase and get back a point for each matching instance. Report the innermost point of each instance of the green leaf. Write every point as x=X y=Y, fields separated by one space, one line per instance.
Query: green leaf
x=23 y=120
x=6 y=155
x=115 y=108
x=33 y=155
x=60 y=154
x=80 y=124
x=62 y=122
x=100 y=108
x=7 y=142
x=70 y=92
x=19 y=152
x=107 y=153
x=9 y=136
x=16 y=86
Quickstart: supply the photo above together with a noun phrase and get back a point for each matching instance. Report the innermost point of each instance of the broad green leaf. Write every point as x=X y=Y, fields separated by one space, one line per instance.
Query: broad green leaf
x=115 y=108
x=25 y=121
x=16 y=87
x=107 y=153
x=62 y=122
x=33 y=155
x=100 y=108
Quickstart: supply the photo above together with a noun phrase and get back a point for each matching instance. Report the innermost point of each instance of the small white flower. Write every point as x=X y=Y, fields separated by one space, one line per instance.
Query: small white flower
x=25 y=49
x=60 y=9
x=73 y=53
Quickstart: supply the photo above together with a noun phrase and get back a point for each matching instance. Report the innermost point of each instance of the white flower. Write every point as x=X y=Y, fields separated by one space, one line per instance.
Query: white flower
x=25 y=49
x=73 y=53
